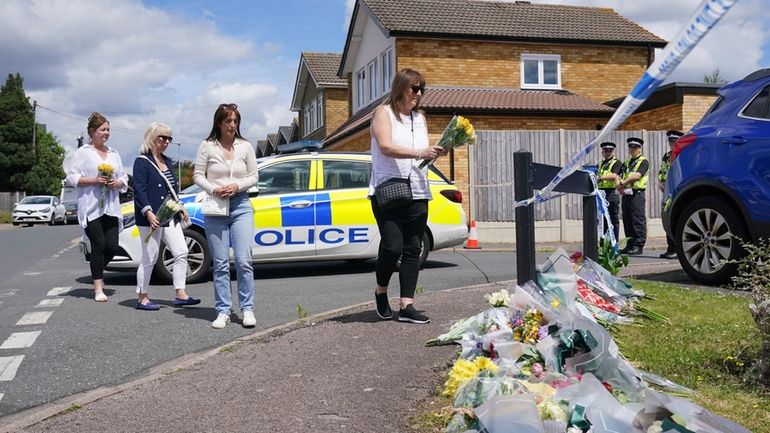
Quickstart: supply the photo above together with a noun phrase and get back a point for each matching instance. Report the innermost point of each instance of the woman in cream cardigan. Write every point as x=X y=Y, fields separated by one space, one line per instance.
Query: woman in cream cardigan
x=226 y=167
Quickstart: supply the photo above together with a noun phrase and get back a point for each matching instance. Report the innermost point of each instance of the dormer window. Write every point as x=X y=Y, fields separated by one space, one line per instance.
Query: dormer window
x=540 y=71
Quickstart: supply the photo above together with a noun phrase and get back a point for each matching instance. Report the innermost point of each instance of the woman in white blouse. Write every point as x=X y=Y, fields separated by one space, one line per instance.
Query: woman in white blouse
x=226 y=167
x=99 y=197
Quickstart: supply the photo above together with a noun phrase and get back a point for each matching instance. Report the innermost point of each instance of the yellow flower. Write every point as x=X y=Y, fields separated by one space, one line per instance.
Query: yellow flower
x=484 y=363
x=463 y=371
x=105 y=169
x=462 y=122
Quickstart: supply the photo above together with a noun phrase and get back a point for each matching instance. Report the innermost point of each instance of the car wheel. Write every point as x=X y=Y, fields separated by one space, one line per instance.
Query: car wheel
x=52 y=221
x=198 y=259
x=707 y=236
x=15 y=223
x=30 y=224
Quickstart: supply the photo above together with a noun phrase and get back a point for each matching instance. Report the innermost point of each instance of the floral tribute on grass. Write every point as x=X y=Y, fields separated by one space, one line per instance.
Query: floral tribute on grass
x=541 y=361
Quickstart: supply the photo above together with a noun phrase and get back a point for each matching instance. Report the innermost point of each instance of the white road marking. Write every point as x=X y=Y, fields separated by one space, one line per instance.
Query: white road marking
x=34 y=318
x=9 y=365
x=20 y=340
x=56 y=291
x=50 y=302
x=9 y=293
x=1 y=396
x=30 y=274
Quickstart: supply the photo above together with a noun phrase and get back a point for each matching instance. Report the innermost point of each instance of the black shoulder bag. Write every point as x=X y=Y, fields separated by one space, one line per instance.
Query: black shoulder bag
x=395 y=192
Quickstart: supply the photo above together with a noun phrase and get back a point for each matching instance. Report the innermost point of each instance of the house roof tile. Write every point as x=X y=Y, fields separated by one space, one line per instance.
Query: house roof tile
x=488 y=101
x=323 y=67
x=508 y=20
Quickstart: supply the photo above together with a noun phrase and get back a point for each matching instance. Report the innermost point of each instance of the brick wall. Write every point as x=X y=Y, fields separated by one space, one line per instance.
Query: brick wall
x=659 y=119
x=335 y=109
x=695 y=106
x=598 y=73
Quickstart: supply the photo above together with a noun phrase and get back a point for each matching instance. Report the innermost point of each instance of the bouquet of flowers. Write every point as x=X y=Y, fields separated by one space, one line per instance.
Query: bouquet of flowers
x=105 y=170
x=458 y=132
x=168 y=209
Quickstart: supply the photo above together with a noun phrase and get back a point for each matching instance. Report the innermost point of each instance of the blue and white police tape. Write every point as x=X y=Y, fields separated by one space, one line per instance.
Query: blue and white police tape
x=703 y=20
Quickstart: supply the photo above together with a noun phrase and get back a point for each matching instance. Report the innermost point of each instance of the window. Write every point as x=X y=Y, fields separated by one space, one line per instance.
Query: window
x=757 y=108
x=287 y=177
x=319 y=111
x=311 y=109
x=386 y=60
x=361 y=88
x=540 y=71
x=346 y=174
x=306 y=121
x=372 y=80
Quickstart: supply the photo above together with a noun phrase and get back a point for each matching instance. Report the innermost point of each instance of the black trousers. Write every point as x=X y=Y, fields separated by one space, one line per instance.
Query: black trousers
x=634 y=220
x=103 y=234
x=613 y=208
x=401 y=232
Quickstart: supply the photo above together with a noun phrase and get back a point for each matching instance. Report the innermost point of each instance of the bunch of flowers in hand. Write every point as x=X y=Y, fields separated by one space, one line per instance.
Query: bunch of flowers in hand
x=458 y=132
x=168 y=209
x=107 y=171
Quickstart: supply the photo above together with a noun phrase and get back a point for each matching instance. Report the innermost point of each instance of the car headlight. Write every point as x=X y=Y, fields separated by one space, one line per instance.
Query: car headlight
x=129 y=220
x=46 y=209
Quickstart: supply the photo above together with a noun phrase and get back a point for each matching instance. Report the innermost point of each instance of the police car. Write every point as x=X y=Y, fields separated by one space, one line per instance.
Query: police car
x=310 y=206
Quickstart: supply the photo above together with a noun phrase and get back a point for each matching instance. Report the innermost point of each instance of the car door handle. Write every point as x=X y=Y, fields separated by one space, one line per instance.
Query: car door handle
x=300 y=204
x=734 y=140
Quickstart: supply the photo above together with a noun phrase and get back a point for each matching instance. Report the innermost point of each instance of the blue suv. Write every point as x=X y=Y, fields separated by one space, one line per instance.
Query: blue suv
x=718 y=186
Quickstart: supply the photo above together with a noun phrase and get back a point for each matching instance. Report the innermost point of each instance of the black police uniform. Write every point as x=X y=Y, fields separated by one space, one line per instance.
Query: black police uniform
x=634 y=219
x=611 y=165
x=672 y=136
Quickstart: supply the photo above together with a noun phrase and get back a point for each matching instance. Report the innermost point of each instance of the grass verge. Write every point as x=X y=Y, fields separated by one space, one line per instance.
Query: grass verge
x=5 y=217
x=707 y=347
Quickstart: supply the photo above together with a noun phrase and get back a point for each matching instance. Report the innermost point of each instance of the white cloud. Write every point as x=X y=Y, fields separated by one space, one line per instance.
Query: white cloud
x=137 y=64
x=735 y=45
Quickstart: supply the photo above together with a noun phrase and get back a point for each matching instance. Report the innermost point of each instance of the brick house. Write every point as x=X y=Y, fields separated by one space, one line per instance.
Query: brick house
x=320 y=96
x=504 y=65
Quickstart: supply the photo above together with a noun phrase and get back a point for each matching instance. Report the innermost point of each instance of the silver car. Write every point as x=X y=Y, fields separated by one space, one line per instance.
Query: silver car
x=38 y=209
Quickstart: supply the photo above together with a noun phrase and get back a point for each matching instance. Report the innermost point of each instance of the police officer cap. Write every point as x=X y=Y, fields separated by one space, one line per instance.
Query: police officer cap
x=607 y=145
x=674 y=134
x=635 y=142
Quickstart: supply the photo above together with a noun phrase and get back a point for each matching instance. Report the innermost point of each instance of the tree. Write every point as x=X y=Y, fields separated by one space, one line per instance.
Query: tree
x=16 y=119
x=46 y=175
x=714 y=77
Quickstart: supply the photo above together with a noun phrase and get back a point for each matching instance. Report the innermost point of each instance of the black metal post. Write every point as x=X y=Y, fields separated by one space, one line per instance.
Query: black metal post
x=590 y=236
x=525 y=217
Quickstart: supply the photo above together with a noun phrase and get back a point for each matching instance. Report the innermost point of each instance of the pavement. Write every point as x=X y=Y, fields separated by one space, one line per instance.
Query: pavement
x=342 y=370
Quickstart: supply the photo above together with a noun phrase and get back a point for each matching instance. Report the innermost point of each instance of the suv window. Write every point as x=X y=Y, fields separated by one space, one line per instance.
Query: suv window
x=758 y=107
x=346 y=174
x=293 y=176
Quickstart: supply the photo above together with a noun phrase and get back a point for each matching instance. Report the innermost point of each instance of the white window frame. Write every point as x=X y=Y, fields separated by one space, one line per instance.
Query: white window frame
x=386 y=60
x=361 y=87
x=371 y=80
x=319 y=101
x=306 y=120
x=540 y=74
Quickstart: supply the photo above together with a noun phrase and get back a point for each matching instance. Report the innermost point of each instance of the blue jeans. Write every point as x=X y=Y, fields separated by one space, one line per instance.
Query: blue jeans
x=236 y=230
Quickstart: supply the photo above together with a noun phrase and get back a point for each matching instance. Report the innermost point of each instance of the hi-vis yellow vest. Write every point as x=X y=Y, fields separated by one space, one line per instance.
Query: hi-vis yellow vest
x=641 y=183
x=605 y=168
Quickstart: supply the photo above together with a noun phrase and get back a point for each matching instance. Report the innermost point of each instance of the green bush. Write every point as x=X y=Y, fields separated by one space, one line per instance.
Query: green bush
x=5 y=217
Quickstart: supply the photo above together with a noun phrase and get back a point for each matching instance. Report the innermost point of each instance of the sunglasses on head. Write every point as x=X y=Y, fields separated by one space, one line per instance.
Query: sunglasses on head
x=233 y=106
x=166 y=138
x=416 y=89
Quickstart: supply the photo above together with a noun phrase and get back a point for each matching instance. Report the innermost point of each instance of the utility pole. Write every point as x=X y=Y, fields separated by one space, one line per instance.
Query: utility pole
x=34 y=127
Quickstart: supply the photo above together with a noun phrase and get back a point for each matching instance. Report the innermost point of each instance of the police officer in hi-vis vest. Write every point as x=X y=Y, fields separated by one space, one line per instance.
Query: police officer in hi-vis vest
x=672 y=136
x=609 y=178
x=632 y=185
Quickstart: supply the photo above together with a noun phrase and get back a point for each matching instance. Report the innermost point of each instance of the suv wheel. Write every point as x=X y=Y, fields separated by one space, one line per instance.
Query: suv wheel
x=198 y=259
x=707 y=235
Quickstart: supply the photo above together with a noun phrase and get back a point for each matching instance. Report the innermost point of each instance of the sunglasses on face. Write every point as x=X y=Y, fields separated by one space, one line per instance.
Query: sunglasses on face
x=420 y=89
x=605 y=149
x=167 y=138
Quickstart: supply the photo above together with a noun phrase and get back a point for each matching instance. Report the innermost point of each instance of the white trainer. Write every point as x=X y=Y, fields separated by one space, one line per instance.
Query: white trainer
x=248 y=319
x=221 y=321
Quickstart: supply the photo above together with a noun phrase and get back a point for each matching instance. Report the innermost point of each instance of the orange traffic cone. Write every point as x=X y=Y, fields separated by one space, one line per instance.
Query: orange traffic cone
x=473 y=239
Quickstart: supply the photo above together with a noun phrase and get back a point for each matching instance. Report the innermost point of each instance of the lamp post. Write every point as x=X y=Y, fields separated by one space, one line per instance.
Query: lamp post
x=179 y=168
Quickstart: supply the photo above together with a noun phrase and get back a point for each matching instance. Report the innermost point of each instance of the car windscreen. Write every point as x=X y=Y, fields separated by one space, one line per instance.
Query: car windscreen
x=36 y=200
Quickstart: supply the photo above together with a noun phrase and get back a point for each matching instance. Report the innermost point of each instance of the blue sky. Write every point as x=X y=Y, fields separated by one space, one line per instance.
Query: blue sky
x=174 y=61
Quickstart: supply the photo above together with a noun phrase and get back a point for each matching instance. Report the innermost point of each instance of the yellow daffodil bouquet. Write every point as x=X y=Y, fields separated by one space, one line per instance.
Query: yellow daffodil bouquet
x=107 y=171
x=168 y=209
x=457 y=133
